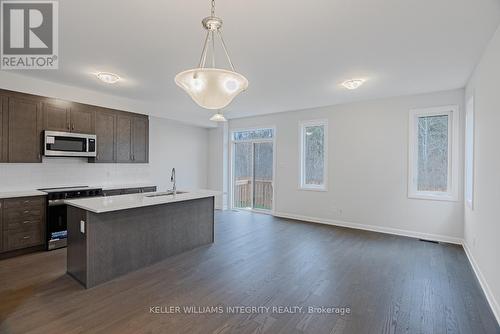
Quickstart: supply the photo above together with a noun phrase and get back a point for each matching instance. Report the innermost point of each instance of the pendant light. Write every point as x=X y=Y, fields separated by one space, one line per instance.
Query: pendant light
x=212 y=87
x=218 y=117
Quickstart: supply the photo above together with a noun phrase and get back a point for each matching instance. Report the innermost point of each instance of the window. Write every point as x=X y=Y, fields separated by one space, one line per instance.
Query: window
x=313 y=155
x=433 y=153
x=469 y=153
x=253 y=134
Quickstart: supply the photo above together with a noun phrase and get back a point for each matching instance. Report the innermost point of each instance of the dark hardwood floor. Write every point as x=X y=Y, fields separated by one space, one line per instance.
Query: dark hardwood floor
x=390 y=284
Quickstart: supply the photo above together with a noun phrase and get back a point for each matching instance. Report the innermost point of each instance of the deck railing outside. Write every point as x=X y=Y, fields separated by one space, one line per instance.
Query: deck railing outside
x=263 y=194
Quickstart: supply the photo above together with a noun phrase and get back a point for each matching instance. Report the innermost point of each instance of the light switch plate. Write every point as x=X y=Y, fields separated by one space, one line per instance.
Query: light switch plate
x=82 y=226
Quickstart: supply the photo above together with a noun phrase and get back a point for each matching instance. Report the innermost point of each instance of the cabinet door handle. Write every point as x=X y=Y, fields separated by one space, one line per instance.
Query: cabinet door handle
x=26 y=211
x=27 y=222
x=73 y=126
x=26 y=237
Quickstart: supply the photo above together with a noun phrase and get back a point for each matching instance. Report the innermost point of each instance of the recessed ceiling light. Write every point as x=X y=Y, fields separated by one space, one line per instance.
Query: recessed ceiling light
x=109 y=78
x=353 y=83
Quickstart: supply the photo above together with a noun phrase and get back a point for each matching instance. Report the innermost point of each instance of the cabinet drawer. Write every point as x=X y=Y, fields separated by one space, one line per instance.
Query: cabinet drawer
x=17 y=239
x=22 y=214
x=131 y=191
x=23 y=225
x=148 y=189
x=113 y=192
x=25 y=202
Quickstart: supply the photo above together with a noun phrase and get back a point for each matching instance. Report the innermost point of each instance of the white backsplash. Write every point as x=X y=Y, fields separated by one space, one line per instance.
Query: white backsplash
x=55 y=172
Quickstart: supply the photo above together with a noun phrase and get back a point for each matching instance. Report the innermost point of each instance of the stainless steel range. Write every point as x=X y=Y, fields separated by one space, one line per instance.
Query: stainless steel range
x=57 y=213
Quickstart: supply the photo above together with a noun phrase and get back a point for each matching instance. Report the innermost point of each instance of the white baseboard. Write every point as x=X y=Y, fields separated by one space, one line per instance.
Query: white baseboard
x=373 y=228
x=495 y=307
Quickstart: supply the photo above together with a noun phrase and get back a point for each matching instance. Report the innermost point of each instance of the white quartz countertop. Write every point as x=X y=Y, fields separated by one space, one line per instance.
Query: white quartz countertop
x=124 y=202
x=24 y=193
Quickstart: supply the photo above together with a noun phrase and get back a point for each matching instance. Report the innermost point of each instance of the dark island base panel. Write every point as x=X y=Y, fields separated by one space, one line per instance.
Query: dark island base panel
x=118 y=242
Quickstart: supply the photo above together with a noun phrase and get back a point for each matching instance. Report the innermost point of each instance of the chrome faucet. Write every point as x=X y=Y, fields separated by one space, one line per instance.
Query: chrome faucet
x=172 y=179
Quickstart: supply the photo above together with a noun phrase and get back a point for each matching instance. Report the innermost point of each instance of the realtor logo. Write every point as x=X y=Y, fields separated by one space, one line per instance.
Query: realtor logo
x=29 y=32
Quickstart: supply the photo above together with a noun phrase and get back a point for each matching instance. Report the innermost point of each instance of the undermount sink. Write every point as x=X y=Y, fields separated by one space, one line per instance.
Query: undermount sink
x=166 y=193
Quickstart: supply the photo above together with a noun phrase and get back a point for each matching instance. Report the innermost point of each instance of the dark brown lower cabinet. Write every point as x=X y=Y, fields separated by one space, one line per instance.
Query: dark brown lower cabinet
x=148 y=189
x=125 y=191
x=1 y=226
x=22 y=222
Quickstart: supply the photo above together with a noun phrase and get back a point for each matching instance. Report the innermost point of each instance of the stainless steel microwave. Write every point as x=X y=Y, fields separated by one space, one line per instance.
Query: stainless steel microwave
x=67 y=144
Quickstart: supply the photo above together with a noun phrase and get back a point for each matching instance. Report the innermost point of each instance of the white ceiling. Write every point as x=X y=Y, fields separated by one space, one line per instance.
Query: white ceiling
x=294 y=53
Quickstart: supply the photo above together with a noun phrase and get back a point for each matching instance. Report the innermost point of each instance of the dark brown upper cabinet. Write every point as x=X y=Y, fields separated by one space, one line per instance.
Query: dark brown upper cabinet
x=69 y=117
x=140 y=139
x=24 y=127
x=105 y=129
x=124 y=138
x=3 y=124
x=56 y=116
x=121 y=136
x=82 y=118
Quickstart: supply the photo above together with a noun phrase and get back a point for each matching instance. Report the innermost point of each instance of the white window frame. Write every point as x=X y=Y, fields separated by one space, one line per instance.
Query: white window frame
x=453 y=153
x=469 y=154
x=302 y=127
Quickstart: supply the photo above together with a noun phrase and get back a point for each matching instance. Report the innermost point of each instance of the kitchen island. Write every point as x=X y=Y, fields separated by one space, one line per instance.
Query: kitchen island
x=111 y=236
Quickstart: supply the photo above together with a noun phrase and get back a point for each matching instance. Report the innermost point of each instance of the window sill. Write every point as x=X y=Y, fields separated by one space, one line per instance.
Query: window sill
x=320 y=189
x=433 y=197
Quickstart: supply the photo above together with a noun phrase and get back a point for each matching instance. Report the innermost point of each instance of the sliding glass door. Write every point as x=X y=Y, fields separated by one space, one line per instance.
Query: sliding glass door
x=243 y=175
x=253 y=154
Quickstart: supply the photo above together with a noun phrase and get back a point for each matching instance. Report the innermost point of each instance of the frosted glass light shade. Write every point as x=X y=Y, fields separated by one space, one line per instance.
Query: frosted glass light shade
x=211 y=88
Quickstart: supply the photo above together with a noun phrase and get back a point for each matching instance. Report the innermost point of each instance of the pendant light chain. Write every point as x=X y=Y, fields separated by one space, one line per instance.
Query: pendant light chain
x=204 y=52
x=213 y=49
x=225 y=50
x=213 y=8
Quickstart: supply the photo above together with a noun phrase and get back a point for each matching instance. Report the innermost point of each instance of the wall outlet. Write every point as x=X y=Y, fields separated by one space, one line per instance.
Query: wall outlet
x=336 y=211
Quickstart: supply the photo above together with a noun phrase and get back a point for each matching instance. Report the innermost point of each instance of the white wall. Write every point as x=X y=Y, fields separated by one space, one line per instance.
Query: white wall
x=172 y=144
x=218 y=164
x=368 y=163
x=184 y=147
x=482 y=225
